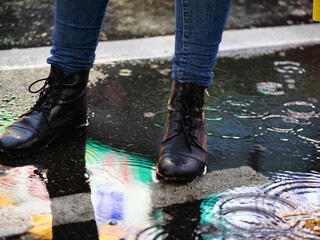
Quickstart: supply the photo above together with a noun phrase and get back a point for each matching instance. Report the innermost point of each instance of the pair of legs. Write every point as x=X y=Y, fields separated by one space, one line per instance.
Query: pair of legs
x=199 y=27
x=62 y=102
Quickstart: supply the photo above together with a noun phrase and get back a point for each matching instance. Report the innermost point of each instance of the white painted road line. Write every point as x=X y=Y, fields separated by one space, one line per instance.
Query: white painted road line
x=242 y=43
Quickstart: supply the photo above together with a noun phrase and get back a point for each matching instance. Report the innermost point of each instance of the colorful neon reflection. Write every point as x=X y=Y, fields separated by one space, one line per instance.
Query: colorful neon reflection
x=120 y=184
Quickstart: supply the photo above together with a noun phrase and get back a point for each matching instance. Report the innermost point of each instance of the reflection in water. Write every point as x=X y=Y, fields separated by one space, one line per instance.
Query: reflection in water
x=287 y=208
x=24 y=187
x=7 y=113
x=22 y=194
x=120 y=184
x=120 y=193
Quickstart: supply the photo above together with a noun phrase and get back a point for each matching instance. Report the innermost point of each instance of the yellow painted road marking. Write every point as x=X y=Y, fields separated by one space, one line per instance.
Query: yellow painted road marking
x=316 y=10
x=42 y=227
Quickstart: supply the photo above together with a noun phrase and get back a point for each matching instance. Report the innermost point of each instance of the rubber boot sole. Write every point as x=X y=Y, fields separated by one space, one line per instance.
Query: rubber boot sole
x=179 y=180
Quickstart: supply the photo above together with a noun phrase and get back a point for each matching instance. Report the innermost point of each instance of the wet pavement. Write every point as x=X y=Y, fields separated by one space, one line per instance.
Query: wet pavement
x=262 y=122
x=29 y=23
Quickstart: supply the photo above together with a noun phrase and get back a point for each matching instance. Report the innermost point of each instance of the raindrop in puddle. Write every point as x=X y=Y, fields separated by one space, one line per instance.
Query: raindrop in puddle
x=270 y=88
x=125 y=72
x=289 y=68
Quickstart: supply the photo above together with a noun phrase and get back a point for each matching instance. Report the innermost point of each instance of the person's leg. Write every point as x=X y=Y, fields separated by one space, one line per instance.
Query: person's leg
x=76 y=33
x=62 y=103
x=199 y=28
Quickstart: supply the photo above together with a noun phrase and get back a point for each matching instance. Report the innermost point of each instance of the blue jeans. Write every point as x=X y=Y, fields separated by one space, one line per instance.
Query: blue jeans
x=199 y=28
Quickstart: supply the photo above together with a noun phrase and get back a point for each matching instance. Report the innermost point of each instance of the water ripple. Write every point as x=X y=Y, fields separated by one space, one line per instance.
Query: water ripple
x=148 y=231
x=287 y=208
x=289 y=68
x=270 y=88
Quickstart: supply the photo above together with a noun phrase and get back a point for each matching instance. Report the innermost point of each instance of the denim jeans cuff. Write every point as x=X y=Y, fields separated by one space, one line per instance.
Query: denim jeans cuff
x=199 y=82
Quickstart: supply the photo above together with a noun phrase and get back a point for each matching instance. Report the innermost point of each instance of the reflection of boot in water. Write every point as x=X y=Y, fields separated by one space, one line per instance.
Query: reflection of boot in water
x=181 y=221
x=62 y=105
x=71 y=207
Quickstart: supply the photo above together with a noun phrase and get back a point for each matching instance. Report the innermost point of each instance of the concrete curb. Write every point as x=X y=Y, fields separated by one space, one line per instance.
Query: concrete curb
x=240 y=43
x=164 y=194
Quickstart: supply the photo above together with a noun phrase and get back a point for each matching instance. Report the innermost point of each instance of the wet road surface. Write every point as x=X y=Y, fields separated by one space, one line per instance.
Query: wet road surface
x=262 y=115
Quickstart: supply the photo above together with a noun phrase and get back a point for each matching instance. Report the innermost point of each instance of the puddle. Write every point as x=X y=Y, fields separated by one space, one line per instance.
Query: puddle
x=99 y=184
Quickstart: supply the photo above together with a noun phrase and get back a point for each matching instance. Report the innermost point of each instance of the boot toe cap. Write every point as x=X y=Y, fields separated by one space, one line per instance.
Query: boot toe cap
x=17 y=140
x=179 y=168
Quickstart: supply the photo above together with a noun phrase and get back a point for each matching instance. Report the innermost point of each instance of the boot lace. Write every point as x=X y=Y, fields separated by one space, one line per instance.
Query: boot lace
x=190 y=105
x=49 y=94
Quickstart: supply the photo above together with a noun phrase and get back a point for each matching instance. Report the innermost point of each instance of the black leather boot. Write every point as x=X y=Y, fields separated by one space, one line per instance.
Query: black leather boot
x=183 y=154
x=61 y=106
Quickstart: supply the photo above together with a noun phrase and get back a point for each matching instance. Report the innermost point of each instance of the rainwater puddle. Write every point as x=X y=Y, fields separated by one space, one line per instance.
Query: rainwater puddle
x=261 y=112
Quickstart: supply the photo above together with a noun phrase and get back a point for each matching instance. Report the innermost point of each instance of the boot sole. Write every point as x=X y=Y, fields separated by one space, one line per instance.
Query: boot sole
x=179 y=180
